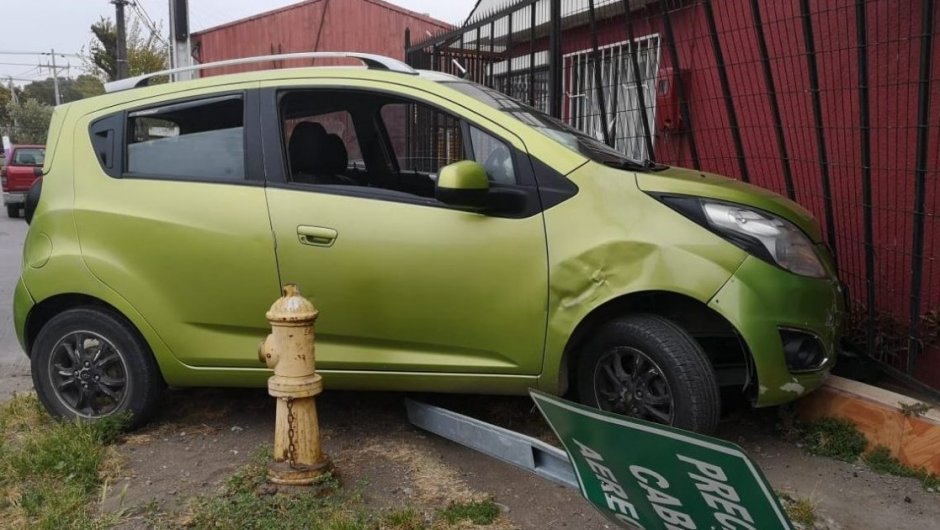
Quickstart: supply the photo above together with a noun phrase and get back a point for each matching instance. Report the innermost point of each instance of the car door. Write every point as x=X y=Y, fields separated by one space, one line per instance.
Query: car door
x=172 y=216
x=403 y=282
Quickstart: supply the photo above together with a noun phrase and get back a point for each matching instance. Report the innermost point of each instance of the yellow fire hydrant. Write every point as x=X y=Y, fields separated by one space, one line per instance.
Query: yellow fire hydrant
x=289 y=351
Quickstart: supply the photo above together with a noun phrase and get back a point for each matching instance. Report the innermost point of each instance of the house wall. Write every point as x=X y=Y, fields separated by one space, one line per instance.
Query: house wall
x=369 y=26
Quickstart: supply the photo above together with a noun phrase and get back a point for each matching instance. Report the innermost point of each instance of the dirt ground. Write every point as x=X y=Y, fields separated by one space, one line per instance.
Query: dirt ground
x=203 y=436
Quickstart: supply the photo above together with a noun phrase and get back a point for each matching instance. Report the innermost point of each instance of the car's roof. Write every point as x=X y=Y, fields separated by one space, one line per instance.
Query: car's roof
x=423 y=77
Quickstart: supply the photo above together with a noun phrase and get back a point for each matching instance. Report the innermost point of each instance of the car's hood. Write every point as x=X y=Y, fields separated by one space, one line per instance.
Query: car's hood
x=681 y=181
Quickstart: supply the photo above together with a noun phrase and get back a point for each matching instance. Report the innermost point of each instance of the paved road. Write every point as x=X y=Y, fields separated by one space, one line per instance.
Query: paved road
x=14 y=366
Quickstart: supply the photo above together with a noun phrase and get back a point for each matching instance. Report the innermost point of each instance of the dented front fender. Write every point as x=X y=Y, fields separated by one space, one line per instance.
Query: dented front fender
x=612 y=240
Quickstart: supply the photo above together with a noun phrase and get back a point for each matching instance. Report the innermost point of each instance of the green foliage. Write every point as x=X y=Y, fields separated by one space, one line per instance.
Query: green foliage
x=5 y=99
x=801 y=511
x=247 y=502
x=478 y=512
x=243 y=504
x=881 y=461
x=834 y=437
x=51 y=471
x=43 y=91
x=32 y=121
x=145 y=53
x=405 y=519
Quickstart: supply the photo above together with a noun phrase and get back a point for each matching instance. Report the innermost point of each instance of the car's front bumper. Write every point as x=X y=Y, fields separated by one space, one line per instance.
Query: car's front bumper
x=14 y=197
x=759 y=300
x=22 y=304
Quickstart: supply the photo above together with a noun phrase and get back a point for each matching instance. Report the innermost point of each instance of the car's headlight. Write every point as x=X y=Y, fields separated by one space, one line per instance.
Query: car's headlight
x=762 y=234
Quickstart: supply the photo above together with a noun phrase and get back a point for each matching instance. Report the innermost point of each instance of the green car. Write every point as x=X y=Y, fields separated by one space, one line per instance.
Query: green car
x=453 y=239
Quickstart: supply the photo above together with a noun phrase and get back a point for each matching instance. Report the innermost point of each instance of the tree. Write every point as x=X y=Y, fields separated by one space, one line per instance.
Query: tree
x=4 y=114
x=145 y=54
x=84 y=86
x=32 y=121
x=88 y=86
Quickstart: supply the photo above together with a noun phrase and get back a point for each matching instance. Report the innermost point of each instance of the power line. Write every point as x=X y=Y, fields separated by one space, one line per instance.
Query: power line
x=58 y=54
x=148 y=22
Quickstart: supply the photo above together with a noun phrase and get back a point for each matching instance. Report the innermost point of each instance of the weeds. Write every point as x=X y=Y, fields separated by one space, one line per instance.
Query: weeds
x=478 y=512
x=406 y=519
x=915 y=409
x=881 y=461
x=835 y=438
x=799 y=510
x=841 y=439
x=50 y=472
x=246 y=503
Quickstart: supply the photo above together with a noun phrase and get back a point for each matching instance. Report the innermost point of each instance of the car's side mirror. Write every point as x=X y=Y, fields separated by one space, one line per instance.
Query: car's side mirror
x=463 y=184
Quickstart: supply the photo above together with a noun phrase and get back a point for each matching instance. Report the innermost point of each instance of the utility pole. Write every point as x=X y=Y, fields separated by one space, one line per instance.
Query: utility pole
x=181 y=50
x=16 y=102
x=54 y=69
x=13 y=92
x=55 y=79
x=121 y=52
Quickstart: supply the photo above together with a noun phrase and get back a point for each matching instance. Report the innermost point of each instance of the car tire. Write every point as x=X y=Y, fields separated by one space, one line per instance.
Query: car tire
x=89 y=363
x=13 y=211
x=648 y=367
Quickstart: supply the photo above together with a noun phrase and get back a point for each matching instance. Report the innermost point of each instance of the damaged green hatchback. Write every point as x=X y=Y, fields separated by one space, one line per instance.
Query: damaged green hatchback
x=454 y=240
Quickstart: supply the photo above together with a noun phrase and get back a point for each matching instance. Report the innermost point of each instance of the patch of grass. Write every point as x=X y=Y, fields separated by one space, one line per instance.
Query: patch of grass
x=834 y=437
x=405 y=519
x=801 y=511
x=881 y=461
x=51 y=471
x=247 y=502
x=244 y=504
x=478 y=512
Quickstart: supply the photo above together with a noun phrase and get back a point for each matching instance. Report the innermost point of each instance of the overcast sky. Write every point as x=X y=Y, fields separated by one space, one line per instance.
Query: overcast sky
x=39 y=25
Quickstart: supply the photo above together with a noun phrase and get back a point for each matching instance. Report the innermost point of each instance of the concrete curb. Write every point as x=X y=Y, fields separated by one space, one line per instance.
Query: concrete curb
x=914 y=440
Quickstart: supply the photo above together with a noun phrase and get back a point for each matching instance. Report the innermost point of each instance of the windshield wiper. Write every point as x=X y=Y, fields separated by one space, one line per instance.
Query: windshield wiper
x=637 y=165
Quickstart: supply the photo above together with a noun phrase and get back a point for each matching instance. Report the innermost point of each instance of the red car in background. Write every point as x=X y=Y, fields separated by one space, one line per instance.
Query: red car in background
x=19 y=173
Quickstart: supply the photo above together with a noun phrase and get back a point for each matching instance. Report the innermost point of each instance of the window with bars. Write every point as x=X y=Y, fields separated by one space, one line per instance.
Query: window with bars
x=619 y=89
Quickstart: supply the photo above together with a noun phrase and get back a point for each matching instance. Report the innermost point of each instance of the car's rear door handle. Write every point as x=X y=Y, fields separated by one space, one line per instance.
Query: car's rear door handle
x=317 y=236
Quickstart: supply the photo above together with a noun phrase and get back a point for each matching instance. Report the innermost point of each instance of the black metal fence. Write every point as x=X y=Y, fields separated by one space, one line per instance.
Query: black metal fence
x=832 y=103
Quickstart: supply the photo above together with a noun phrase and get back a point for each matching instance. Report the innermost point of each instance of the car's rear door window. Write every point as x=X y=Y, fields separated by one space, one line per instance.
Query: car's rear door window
x=195 y=140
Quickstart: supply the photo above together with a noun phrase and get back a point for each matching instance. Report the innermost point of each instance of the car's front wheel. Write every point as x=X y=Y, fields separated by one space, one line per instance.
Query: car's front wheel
x=88 y=363
x=648 y=367
x=13 y=211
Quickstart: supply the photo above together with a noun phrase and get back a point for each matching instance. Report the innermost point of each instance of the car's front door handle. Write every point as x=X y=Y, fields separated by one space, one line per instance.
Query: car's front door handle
x=317 y=236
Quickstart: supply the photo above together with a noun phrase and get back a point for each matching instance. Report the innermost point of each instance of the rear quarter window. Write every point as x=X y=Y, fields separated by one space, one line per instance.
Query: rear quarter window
x=195 y=140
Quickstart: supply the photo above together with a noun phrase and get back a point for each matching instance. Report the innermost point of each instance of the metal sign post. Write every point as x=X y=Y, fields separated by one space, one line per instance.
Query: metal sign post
x=644 y=475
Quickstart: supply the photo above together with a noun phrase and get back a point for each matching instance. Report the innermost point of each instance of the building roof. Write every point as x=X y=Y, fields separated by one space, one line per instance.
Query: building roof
x=381 y=3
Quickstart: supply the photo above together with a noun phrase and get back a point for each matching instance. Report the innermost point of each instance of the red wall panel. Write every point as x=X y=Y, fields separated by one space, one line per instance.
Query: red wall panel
x=369 y=26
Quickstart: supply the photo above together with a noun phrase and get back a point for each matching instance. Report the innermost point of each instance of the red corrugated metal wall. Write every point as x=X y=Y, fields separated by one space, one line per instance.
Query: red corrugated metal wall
x=894 y=41
x=894 y=47
x=318 y=25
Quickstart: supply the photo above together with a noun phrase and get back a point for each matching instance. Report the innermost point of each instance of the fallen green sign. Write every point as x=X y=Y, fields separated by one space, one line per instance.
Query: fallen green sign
x=649 y=476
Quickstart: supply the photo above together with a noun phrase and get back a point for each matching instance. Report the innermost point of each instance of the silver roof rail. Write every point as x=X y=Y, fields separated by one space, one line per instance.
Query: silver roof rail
x=372 y=61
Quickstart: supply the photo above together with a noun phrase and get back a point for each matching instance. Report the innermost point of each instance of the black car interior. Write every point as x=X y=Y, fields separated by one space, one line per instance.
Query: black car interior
x=319 y=156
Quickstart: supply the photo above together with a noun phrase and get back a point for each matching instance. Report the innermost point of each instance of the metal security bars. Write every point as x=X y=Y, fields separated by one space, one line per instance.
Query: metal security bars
x=618 y=92
x=833 y=103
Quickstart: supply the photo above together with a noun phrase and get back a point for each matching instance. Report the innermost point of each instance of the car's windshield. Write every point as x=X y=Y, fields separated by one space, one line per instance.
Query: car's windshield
x=547 y=125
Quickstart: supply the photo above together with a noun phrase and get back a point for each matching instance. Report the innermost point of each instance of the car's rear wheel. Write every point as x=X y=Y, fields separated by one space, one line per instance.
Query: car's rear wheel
x=648 y=367
x=88 y=364
x=13 y=211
